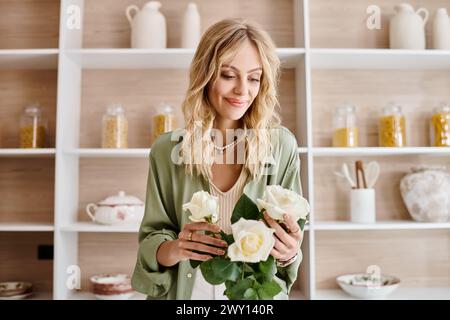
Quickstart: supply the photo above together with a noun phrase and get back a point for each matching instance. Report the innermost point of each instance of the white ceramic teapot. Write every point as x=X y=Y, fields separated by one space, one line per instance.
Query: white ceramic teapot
x=117 y=210
x=407 y=28
x=148 y=26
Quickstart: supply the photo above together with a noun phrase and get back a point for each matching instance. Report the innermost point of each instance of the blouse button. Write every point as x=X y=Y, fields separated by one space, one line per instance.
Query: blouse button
x=189 y=275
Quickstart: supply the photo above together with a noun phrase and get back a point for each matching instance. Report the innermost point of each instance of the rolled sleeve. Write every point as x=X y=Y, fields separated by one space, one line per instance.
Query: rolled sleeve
x=158 y=225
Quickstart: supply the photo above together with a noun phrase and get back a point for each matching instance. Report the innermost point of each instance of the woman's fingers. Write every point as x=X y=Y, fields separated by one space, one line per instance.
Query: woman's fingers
x=201 y=247
x=293 y=227
x=203 y=238
x=189 y=255
x=280 y=247
x=279 y=231
x=201 y=226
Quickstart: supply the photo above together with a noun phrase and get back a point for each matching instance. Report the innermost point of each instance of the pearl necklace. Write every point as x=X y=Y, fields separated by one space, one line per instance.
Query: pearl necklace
x=221 y=150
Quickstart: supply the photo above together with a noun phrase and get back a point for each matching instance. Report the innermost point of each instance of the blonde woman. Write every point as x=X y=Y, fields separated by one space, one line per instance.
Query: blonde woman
x=233 y=86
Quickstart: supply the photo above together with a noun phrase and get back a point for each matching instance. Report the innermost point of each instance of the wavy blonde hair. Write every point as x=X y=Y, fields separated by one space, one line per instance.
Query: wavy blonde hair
x=218 y=45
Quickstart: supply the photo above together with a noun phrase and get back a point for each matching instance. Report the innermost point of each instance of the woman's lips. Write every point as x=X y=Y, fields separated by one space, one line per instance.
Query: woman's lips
x=236 y=102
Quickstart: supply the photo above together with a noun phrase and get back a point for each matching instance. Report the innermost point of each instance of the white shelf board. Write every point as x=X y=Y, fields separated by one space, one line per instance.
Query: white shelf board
x=380 y=151
x=402 y=293
x=86 y=295
x=171 y=58
x=381 y=225
x=125 y=153
x=106 y=153
x=8 y=227
x=29 y=58
x=18 y=152
x=83 y=226
x=380 y=59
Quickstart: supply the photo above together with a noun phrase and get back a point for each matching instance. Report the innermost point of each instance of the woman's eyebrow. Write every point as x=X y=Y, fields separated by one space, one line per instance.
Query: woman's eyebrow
x=234 y=68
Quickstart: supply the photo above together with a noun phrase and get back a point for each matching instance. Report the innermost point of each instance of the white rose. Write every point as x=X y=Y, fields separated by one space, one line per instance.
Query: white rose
x=278 y=201
x=253 y=241
x=203 y=207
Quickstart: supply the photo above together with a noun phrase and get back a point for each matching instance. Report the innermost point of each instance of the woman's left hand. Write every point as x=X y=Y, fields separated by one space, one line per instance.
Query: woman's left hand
x=286 y=242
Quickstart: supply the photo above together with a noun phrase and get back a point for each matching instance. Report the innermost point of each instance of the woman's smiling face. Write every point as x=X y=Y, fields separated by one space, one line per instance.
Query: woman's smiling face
x=238 y=84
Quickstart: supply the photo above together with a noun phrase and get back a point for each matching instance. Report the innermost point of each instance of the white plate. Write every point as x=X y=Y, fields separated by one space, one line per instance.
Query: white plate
x=369 y=290
x=18 y=297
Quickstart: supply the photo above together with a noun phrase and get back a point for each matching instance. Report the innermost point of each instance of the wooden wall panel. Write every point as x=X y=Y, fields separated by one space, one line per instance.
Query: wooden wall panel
x=18 y=89
x=106 y=26
x=332 y=193
x=342 y=24
x=27 y=190
x=28 y=24
x=417 y=257
x=18 y=256
x=370 y=90
x=140 y=92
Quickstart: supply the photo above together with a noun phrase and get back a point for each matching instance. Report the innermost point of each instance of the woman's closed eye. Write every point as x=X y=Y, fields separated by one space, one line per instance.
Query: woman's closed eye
x=228 y=77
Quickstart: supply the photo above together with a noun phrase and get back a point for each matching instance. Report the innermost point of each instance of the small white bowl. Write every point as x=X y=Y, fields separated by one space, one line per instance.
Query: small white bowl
x=355 y=286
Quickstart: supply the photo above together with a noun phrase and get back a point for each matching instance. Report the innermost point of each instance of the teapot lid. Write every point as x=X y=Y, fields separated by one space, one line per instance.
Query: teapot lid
x=121 y=199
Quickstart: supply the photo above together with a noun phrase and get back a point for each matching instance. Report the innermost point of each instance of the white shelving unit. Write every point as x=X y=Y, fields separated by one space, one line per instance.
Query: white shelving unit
x=71 y=59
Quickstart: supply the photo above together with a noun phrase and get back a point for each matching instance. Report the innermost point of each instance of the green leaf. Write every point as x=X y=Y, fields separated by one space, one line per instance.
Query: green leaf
x=268 y=290
x=228 y=238
x=245 y=208
x=267 y=270
x=251 y=294
x=218 y=270
x=238 y=289
x=301 y=223
x=195 y=263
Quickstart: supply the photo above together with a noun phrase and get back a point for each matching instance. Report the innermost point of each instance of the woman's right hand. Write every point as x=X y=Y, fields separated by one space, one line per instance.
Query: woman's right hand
x=204 y=245
x=192 y=245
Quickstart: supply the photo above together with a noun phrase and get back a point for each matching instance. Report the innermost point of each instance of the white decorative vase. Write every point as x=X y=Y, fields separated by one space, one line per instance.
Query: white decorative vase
x=148 y=26
x=426 y=193
x=407 y=28
x=191 y=27
x=441 y=30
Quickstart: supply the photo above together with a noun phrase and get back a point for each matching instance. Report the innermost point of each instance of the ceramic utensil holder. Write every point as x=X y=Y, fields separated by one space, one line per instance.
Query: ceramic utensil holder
x=362 y=205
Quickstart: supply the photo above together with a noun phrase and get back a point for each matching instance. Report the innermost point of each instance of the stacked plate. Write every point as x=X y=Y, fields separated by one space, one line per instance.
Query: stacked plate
x=15 y=290
x=366 y=286
x=111 y=286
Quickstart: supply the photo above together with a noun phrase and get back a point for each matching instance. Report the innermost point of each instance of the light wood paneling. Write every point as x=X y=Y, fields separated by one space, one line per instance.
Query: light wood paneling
x=27 y=190
x=332 y=193
x=18 y=89
x=140 y=92
x=18 y=256
x=418 y=258
x=106 y=26
x=101 y=178
x=121 y=255
x=342 y=24
x=418 y=92
x=28 y=24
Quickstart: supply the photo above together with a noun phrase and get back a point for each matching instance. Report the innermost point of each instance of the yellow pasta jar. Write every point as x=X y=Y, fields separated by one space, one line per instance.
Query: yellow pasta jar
x=392 y=127
x=33 y=128
x=440 y=127
x=163 y=120
x=345 y=131
x=114 y=127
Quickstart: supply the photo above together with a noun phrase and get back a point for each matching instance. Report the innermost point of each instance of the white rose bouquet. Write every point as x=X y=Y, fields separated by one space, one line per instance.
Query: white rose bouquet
x=247 y=268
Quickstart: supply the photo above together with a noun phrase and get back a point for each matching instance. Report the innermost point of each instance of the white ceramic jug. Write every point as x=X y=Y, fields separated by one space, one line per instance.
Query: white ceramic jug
x=191 y=29
x=407 y=28
x=441 y=30
x=148 y=26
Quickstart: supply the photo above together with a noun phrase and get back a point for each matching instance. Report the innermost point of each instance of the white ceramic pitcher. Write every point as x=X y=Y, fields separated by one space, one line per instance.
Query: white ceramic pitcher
x=148 y=26
x=407 y=28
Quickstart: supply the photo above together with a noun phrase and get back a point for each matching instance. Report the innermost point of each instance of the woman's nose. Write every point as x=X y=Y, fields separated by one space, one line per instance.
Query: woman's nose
x=241 y=88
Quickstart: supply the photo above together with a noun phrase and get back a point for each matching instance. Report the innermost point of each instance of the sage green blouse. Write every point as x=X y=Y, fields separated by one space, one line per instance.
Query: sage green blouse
x=168 y=188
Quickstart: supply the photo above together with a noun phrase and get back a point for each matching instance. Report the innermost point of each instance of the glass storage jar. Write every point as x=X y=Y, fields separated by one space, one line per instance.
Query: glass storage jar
x=392 y=127
x=440 y=126
x=114 y=127
x=163 y=120
x=345 y=130
x=33 y=127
